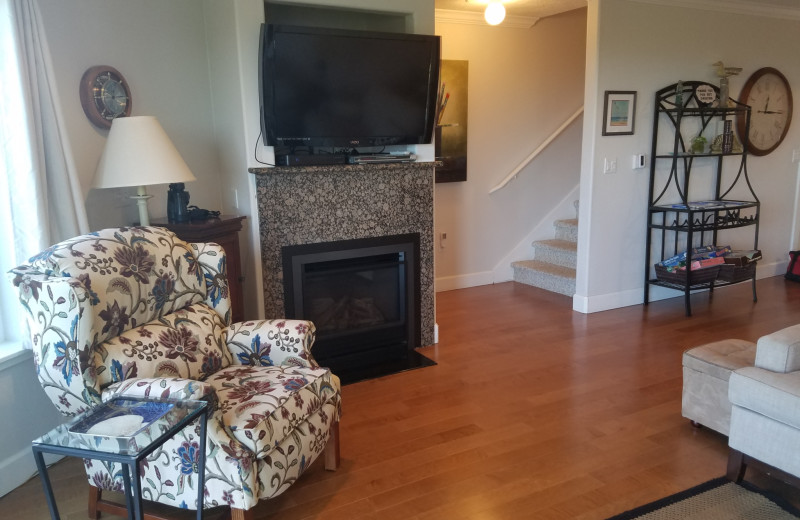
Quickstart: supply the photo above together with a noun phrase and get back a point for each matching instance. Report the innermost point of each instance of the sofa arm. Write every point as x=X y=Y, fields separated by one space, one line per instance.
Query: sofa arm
x=161 y=388
x=272 y=342
x=780 y=351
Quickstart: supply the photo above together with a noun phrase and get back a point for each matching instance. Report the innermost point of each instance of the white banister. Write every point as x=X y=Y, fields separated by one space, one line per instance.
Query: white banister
x=538 y=150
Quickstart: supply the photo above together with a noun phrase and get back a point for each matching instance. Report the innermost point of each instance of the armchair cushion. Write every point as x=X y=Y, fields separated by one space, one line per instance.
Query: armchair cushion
x=188 y=343
x=264 y=405
x=780 y=351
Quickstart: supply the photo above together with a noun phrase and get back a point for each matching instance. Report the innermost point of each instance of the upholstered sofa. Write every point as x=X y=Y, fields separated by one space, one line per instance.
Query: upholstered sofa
x=765 y=408
x=138 y=312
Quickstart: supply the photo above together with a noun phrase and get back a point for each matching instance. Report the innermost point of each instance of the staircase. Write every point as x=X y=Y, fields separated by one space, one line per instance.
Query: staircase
x=553 y=266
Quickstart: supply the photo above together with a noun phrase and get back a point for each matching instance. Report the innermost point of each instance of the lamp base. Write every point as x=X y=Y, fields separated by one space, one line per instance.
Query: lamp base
x=141 y=201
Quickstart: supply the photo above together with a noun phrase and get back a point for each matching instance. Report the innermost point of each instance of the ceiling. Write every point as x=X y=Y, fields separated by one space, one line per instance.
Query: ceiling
x=542 y=8
x=530 y=8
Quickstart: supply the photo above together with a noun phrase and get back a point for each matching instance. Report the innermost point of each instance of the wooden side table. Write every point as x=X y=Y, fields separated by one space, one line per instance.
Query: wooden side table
x=224 y=231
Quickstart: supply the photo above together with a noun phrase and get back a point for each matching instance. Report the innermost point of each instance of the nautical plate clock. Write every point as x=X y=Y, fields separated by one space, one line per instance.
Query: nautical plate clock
x=105 y=95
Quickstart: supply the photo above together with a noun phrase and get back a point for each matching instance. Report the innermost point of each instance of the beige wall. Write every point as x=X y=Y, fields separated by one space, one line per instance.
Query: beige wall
x=644 y=47
x=160 y=48
x=523 y=84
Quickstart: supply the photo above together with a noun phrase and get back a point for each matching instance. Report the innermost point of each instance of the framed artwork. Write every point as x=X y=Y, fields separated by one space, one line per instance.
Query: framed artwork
x=450 y=135
x=619 y=112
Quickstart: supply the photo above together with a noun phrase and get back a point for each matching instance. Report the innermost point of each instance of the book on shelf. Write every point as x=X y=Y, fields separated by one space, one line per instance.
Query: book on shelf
x=121 y=418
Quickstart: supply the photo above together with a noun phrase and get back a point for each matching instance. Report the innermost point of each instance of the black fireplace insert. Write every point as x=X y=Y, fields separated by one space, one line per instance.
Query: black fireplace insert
x=363 y=297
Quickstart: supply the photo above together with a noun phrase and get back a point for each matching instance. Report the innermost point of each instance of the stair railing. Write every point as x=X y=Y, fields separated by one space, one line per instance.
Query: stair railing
x=538 y=150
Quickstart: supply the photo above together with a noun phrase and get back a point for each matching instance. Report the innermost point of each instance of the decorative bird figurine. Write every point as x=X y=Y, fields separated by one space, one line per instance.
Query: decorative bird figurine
x=724 y=72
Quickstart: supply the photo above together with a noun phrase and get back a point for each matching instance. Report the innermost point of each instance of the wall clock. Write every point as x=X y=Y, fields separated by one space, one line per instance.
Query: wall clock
x=769 y=96
x=105 y=95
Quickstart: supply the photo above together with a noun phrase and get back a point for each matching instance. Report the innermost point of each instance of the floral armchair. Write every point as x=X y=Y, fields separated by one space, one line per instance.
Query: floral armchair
x=138 y=312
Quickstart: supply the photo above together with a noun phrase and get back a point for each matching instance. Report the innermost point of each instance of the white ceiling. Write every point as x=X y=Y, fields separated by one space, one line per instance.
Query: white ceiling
x=542 y=8
x=531 y=8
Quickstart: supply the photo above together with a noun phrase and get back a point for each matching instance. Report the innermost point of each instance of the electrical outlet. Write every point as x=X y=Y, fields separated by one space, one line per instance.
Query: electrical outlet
x=638 y=161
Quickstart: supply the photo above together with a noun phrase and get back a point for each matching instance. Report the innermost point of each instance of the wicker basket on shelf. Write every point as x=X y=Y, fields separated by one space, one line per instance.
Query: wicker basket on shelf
x=734 y=273
x=698 y=276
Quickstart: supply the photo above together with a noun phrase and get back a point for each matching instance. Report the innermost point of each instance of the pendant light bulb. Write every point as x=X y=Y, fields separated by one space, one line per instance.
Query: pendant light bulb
x=495 y=13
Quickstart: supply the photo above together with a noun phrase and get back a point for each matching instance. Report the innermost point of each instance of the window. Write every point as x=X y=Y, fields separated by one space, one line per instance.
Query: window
x=17 y=191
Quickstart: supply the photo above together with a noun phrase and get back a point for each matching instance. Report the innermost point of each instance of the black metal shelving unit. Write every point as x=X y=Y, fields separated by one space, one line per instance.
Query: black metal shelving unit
x=675 y=222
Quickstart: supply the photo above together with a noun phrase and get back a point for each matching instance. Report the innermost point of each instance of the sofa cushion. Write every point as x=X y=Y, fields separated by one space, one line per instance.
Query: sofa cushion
x=188 y=343
x=263 y=405
x=720 y=358
x=780 y=351
x=770 y=394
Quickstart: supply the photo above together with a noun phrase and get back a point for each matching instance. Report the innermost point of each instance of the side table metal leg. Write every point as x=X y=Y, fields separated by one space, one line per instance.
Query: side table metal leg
x=136 y=484
x=48 y=488
x=126 y=479
x=201 y=466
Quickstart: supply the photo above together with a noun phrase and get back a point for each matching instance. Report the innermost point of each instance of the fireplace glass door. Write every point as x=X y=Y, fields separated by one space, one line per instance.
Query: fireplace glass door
x=361 y=296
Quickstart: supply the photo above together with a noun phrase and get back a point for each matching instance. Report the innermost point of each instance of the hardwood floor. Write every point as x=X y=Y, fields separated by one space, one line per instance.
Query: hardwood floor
x=533 y=411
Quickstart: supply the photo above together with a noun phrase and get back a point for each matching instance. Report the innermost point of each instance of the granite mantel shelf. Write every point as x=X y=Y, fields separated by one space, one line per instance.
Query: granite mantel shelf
x=329 y=168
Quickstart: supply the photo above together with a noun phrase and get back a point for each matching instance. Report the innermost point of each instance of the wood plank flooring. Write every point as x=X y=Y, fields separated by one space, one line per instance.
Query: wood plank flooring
x=533 y=411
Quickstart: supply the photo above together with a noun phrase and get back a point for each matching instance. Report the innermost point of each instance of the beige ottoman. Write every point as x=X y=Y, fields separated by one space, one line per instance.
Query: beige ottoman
x=706 y=370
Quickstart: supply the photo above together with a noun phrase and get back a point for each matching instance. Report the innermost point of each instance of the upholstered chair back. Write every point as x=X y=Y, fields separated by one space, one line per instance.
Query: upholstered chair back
x=84 y=297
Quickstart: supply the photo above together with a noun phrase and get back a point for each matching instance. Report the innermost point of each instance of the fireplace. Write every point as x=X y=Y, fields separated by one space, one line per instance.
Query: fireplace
x=311 y=205
x=362 y=296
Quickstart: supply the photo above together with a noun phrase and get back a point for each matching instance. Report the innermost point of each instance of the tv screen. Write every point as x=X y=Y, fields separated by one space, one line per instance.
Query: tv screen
x=342 y=88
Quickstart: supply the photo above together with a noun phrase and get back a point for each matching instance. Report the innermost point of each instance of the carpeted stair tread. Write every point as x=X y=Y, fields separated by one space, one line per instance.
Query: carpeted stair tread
x=556 y=251
x=544 y=275
x=553 y=266
x=555 y=243
x=567 y=229
x=546 y=267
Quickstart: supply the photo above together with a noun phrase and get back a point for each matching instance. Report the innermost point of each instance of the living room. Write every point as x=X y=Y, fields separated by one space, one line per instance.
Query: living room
x=625 y=49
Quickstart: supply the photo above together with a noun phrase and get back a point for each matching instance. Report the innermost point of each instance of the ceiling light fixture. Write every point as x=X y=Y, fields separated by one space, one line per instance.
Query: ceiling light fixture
x=495 y=13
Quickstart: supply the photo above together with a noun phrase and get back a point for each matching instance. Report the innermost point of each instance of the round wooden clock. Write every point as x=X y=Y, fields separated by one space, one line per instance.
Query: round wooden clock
x=769 y=96
x=105 y=95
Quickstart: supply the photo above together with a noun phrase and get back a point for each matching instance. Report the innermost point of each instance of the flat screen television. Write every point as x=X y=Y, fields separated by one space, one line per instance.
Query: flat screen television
x=342 y=88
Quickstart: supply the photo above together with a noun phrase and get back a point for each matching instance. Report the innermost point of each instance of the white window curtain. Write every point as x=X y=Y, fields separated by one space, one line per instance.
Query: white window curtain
x=41 y=201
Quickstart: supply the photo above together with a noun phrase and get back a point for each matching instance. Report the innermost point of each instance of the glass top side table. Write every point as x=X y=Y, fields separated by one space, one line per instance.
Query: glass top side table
x=124 y=430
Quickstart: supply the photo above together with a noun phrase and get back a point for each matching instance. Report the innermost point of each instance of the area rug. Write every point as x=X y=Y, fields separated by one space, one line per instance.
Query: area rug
x=718 y=499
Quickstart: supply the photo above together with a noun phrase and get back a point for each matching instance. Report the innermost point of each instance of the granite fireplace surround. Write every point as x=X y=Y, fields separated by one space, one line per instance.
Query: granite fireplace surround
x=306 y=205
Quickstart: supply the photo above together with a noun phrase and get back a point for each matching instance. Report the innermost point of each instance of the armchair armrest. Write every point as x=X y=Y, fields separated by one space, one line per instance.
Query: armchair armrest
x=161 y=388
x=780 y=351
x=272 y=342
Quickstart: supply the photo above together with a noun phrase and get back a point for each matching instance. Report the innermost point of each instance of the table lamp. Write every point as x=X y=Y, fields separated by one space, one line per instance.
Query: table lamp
x=139 y=153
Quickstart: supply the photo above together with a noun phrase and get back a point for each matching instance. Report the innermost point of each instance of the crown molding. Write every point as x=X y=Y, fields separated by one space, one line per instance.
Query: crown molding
x=476 y=18
x=750 y=8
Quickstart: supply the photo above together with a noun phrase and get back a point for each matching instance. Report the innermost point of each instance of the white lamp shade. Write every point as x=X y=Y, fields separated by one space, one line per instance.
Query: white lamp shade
x=495 y=13
x=139 y=153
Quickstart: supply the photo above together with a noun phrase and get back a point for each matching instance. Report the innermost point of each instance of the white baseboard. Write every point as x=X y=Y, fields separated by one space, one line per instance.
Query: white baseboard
x=463 y=281
x=19 y=468
x=605 y=302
